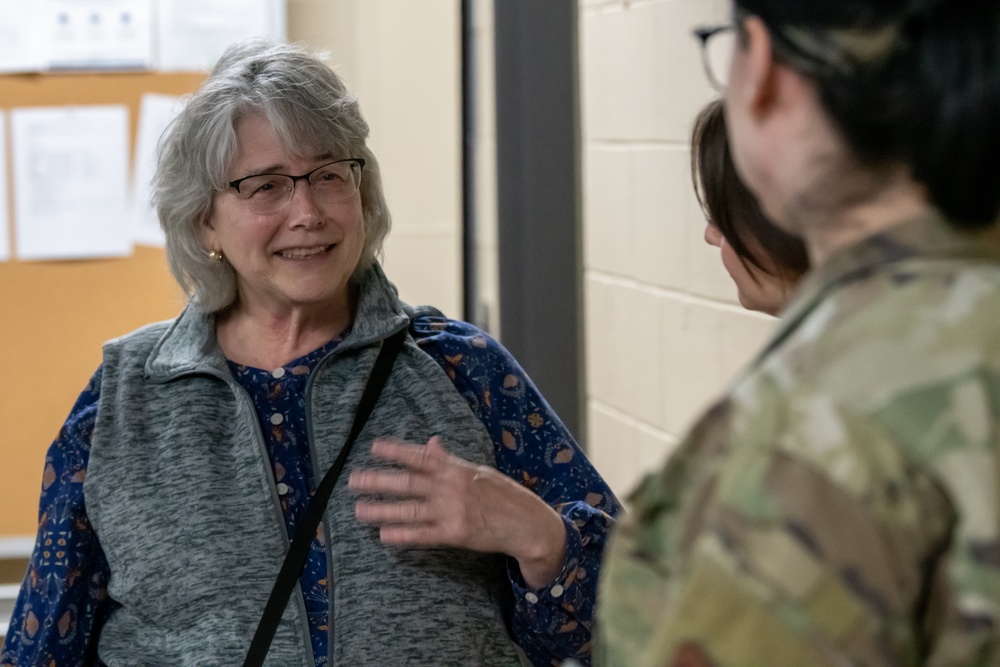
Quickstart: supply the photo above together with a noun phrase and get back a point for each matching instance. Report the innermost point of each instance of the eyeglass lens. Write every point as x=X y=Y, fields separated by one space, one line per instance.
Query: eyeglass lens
x=269 y=193
x=718 y=52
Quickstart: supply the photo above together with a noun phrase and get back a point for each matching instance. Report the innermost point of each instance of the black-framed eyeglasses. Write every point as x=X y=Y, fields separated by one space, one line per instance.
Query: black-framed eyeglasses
x=718 y=44
x=271 y=193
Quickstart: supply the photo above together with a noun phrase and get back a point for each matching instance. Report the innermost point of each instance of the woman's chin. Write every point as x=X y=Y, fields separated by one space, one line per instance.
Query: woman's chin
x=759 y=303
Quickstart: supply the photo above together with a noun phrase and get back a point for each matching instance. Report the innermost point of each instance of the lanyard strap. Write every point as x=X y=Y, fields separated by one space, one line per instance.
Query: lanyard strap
x=297 y=553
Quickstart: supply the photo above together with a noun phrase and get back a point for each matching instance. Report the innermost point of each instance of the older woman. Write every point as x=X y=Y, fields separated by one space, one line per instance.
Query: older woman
x=839 y=505
x=187 y=464
x=766 y=263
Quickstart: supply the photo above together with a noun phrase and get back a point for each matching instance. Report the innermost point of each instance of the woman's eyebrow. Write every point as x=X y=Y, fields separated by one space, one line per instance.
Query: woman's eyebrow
x=272 y=169
x=281 y=169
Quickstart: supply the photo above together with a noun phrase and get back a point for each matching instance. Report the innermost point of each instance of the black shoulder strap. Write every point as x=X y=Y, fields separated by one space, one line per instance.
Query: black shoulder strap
x=299 y=549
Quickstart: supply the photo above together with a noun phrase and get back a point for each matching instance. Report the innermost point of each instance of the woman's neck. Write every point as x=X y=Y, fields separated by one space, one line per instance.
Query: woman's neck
x=826 y=230
x=268 y=338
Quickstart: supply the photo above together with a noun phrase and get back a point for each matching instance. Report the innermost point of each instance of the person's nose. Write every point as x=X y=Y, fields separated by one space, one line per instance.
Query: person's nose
x=302 y=209
x=713 y=236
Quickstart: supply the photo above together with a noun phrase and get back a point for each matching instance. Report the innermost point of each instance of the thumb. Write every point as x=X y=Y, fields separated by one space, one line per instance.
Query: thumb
x=435 y=446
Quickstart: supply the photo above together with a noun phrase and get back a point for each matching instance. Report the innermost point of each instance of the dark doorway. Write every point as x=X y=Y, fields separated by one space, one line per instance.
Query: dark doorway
x=538 y=198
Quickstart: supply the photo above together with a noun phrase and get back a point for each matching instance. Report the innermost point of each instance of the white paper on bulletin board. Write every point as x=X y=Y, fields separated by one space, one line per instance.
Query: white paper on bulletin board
x=80 y=34
x=192 y=34
x=70 y=182
x=155 y=114
x=4 y=223
x=22 y=47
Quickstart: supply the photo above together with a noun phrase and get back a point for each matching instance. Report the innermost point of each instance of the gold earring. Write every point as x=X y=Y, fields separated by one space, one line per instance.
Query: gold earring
x=216 y=256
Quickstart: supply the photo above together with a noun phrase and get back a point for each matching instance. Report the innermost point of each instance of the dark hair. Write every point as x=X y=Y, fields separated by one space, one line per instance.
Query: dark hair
x=731 y=207
x=911 y=81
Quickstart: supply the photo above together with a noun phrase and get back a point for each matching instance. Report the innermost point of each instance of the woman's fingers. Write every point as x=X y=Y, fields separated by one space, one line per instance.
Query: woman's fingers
x=425 y=465
x=443 y=500
x=440 y=499
x=407 y=512
x=424 y=458
x=391 y=483
x=419 y=536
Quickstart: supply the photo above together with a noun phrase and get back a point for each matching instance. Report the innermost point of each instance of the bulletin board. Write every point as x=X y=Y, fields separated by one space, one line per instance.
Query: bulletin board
x=54 y=316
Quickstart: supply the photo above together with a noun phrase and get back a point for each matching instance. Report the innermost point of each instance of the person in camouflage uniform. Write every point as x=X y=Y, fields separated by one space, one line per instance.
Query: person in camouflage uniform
x=840 y=505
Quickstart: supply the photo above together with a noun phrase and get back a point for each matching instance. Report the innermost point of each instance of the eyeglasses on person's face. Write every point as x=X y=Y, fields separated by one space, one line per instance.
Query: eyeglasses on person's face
x=718 y=44
x=270 y=193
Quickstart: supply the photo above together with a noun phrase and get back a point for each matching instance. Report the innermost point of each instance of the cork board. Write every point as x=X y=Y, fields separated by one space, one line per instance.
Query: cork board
x=54 y=316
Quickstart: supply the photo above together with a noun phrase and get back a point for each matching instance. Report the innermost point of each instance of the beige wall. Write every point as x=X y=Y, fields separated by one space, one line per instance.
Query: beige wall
x=403 y=59
x=664 y=330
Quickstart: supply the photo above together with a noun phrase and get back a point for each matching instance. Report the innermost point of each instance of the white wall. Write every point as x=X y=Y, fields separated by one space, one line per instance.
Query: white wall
x=403 y=59
x=664 y=329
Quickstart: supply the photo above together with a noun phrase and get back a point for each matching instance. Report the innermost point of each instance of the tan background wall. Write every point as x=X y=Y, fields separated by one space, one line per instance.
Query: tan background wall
x=403 y=61
x=664 y=330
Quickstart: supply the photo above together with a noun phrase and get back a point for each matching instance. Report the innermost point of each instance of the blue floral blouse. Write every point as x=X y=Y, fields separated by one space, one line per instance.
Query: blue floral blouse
x=63 y=601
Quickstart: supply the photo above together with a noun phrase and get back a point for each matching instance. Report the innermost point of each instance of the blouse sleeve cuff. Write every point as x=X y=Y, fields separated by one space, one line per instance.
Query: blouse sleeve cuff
x=561 y=591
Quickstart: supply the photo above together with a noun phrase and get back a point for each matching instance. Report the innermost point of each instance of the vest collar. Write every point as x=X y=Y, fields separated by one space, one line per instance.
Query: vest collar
x=189 y=344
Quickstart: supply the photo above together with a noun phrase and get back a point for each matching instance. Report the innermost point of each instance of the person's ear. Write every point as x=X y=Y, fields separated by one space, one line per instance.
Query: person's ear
x=206 y=221
x=760 y=69
x=206 y=232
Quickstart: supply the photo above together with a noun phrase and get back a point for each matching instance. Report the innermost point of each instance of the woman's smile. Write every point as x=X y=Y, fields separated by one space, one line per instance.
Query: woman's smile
x=305 y=252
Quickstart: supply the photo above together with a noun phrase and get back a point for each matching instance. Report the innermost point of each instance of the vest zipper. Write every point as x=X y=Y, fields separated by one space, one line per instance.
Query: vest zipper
x=328 y=541
x=276 y=503
x=330 y=568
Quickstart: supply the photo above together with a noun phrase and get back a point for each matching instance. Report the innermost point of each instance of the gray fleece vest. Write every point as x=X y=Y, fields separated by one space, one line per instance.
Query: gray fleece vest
x=181 y=494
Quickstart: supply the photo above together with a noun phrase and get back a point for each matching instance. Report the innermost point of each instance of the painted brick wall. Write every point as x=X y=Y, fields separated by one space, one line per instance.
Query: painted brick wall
x=664 y=330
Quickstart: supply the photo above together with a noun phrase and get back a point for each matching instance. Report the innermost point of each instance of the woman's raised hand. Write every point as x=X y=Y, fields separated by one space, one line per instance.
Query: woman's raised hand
x=439 y=499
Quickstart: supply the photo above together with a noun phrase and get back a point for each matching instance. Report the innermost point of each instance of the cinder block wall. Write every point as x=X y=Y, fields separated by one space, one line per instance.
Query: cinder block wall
x=664 y=330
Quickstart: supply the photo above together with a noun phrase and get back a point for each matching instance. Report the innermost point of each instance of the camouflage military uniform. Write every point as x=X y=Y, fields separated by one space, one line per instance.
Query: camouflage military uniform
x=840 y=505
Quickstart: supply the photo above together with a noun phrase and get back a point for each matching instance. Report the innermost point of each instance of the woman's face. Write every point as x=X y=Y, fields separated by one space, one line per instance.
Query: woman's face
x=764 y=291
x=303 y=255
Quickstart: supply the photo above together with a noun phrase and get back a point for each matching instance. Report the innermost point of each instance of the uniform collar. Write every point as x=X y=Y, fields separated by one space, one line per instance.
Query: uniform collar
x=928 y=236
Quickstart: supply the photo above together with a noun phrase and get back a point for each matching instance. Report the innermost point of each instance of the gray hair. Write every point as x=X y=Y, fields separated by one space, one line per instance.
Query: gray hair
x=310 y=109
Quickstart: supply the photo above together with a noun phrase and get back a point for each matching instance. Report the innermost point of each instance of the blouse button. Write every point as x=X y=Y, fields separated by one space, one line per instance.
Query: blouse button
x=556 y=591
x=278 y=373
x=531 y=597
x=282 y=488
x=277 y=418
